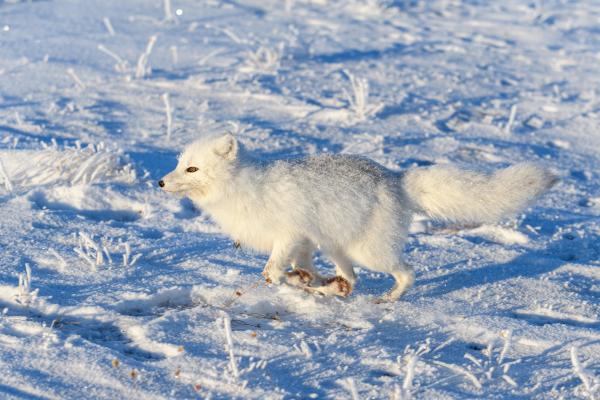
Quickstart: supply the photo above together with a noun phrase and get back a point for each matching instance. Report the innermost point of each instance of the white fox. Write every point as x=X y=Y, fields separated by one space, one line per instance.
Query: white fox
x=353 y=209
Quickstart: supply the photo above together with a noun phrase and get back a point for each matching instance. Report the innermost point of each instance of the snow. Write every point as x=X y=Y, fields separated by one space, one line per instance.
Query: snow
x=110 y=288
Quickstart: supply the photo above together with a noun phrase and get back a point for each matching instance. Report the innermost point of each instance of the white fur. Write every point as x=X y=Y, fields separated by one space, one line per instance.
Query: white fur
x=447 y=193
x=353 y=209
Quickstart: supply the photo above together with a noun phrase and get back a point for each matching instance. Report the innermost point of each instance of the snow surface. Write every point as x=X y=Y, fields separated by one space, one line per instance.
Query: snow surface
x=110 y=288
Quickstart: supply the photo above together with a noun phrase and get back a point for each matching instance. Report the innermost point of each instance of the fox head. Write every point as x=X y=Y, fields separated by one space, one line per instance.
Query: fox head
x=202 y=165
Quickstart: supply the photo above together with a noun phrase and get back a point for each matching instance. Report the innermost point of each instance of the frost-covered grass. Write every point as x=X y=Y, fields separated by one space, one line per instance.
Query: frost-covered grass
x=109 y=288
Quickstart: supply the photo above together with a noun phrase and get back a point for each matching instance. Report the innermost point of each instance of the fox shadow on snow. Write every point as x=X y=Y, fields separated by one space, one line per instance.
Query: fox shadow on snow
x=528 y=264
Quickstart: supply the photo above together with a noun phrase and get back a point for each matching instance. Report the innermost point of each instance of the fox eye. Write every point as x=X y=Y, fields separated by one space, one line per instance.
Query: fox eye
x=191 y=169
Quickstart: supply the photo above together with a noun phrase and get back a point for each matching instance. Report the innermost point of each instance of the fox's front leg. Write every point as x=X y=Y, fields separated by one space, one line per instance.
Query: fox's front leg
x=278 y=260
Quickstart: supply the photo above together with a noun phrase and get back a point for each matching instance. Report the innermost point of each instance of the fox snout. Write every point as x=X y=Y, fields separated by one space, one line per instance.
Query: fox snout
x=169 y=183
x=175 y=183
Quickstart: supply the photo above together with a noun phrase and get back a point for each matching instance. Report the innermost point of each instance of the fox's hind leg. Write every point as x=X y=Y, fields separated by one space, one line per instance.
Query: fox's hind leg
x=386 y=256
x=405 y=277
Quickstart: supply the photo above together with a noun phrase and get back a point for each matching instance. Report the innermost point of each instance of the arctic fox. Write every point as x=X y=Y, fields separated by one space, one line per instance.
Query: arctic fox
x=350 y=207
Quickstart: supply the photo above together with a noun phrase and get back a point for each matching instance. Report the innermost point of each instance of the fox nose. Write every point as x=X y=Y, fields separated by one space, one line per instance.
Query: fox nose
x=161 y=183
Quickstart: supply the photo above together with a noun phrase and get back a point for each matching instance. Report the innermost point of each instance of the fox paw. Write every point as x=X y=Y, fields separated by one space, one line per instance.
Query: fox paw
x=336 y=286
x=299 y=277
x=268 y=279
x=275 y=277
x=340 y=284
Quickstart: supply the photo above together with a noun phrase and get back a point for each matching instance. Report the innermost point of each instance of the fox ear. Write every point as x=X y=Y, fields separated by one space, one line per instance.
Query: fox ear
x=227 y=147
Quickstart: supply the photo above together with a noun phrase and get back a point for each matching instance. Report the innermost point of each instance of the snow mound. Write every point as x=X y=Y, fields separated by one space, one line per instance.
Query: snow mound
x=145 y=304
x=26 y=168
x=93 y=202
x=498 y=234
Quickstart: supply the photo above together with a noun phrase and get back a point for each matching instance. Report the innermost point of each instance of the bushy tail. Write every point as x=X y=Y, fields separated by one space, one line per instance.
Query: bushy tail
x=450 y=194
